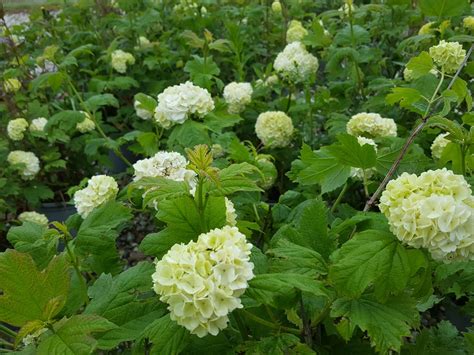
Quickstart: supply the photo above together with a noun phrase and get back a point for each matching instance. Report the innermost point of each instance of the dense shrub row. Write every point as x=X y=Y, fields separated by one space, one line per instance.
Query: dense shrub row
x=305 y=167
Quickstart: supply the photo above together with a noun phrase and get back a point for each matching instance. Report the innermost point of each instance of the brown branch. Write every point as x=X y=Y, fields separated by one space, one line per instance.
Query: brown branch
x=410 y=140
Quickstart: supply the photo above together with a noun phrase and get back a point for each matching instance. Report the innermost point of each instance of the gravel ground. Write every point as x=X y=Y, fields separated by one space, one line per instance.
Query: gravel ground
x=130 y=238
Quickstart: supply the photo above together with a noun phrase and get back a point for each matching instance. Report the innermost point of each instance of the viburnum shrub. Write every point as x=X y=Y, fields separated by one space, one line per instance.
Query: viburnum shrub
x=237 y=177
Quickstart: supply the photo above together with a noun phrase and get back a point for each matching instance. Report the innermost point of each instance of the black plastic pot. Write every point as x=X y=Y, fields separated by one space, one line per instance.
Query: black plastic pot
x=117 y=165
x=56 y=211
x=456 y=316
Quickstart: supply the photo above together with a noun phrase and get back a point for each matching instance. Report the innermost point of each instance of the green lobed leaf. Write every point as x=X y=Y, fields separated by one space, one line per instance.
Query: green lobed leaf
x=96 y=236
x=420 y=65
x=37 y=240
x=159 y=188
x=233 y=179
x=120 y=300
x=322 y=168
x=371 y=257
x=149 y=142
x=385 y=323
x=29 y=294
x=167 y=337
x=280 y=289
x=443 y=8
x=288 y=257
x=73 y=336
x=443 y=338
x=280 y=344
x=308 y=222
x=189 y=134
x=350 y=152
x=95 y=102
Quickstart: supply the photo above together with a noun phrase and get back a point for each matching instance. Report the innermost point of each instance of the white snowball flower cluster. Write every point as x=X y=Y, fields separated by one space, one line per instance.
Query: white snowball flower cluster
x=99 y=189
x=86 y=125
x=38 y=124
x=274 y=129
x=202 y=281
x=434 y=211
x=30 y=163
x=295 y=63
x=237 y=96
x=439 y=143
x=16 y=129
x=448 y=56
x=33 y=217
x=358 y=173
x=170 y=165
x=11 y=85
x=371 y=125
x=121 y=59
x=176 y=103
x=230 y=214
x=296 y=32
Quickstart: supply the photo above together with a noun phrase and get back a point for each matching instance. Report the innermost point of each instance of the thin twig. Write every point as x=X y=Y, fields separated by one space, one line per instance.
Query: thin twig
x=308 y=335
x=410 y=140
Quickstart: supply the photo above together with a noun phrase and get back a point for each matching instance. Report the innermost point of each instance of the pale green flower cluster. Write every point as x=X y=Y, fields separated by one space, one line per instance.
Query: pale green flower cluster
x=38 y=124
x=99 y=189
x=217 y=151
x=268 y=169
x=186 y=7
x=448 y=56
x=121 y=59
x=271 y=80
x=176 y=103
x=276 y=7
x=296 y=32
x=347 y=8
x=202 y=281
x=11 y=85
x=144 y=42
x=29 y=163
x=237 y=96
x=16 y=129
x=274 y=129
x=33 y=217
x=358 y=173
x=439 y=143
x=468 y=22
x=86 y=125
x=434 y=211
x=230 y=214
x=371 y=125
x=295 y=63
